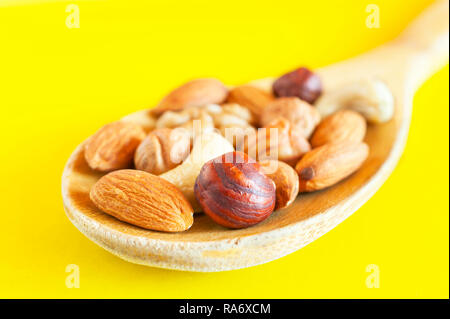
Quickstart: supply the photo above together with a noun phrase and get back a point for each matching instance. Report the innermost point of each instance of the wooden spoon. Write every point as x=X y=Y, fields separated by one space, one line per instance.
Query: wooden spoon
x=403 y=64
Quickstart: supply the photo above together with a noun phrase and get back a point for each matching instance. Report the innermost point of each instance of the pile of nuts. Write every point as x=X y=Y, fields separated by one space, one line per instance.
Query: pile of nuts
x=235 y=154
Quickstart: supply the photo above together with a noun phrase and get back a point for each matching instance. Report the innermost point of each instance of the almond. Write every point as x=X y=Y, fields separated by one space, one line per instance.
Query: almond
x=285 y=179
x=113 y=146
x=328 y=164
x=194 y=93
x=251 y=97
x=345 y=125
x=144 y=200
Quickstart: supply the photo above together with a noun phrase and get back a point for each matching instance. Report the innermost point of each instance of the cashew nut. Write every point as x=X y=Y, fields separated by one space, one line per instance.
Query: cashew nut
x=207 y=146
x=143 y=118
x=370 y=97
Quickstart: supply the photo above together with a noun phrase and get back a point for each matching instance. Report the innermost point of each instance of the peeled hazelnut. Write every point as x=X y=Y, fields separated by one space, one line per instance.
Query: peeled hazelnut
x=162 y=150
x=301 y=83
x=285 y=179
x=234 y=192
x=301 y=114
x=278 y=140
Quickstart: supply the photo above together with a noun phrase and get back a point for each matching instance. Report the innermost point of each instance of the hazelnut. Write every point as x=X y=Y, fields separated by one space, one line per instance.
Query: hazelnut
x=162 y=150
x=234 y=192
x=301 y=83
x=278 y=140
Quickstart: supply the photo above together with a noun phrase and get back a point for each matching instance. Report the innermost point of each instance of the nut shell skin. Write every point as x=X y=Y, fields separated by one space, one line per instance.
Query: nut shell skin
x=234 y=192
x=302 y=83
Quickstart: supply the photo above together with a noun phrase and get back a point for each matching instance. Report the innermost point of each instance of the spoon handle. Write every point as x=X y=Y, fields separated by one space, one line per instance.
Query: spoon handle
x=427 y=41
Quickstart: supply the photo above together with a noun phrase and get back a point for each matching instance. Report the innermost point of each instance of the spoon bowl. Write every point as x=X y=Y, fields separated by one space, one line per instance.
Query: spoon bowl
x=403 y=64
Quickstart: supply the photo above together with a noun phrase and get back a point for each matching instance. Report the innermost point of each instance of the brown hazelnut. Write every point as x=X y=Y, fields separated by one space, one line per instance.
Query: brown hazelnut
x=301 y=114
x=301 y=83
x=234 y=192
x=162 y=150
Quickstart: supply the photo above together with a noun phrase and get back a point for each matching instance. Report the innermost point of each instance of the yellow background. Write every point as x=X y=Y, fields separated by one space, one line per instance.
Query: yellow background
x=59 y=85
